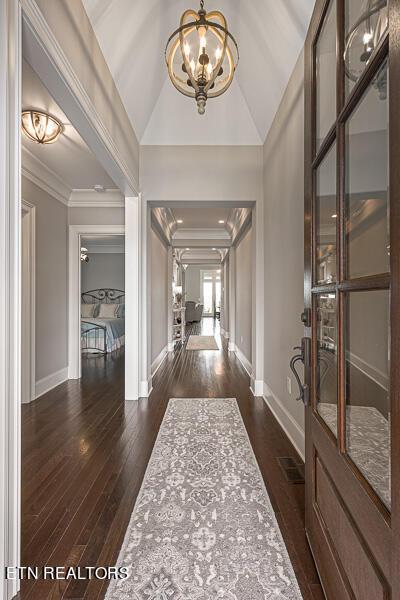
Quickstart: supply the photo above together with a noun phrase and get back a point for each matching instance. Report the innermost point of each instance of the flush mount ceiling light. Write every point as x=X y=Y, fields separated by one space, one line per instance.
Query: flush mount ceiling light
x=40 y=127
x=202 y=56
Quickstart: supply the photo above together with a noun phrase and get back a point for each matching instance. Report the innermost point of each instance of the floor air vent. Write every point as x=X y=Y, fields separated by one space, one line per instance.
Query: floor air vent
x=293 y=471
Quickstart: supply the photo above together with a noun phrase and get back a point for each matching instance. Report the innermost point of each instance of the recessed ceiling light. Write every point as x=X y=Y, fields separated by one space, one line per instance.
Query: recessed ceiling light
x=221 y=222
x=179 y=221
x=187 y=248
x=214 y=248
x=334 y=216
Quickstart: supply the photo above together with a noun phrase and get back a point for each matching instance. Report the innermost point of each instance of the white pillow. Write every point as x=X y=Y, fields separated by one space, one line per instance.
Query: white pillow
x=87 y=310
x=107 y=311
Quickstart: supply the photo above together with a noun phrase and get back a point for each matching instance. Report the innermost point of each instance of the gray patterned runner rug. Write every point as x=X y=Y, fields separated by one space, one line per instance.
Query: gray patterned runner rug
x=203 y=527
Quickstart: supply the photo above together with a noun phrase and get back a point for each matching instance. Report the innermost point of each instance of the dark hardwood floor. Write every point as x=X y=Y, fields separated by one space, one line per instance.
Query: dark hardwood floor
x=85 y=451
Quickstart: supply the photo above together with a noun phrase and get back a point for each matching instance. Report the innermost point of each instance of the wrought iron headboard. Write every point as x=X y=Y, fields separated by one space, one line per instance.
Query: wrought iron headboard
x=103 y=296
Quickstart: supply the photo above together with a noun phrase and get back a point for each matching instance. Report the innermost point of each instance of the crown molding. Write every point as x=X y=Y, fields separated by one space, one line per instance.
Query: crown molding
x=44 y=177
x=49 y=181
x=201 y=234
x=33 y=16
x=92 y=199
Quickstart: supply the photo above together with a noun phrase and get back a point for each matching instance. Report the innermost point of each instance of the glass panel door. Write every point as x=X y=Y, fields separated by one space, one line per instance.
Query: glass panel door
x=352 y=295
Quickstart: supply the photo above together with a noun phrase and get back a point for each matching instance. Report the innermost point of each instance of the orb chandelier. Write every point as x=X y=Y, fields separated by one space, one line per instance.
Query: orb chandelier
x=202 y=56
x=40 y=127
x=362 y=40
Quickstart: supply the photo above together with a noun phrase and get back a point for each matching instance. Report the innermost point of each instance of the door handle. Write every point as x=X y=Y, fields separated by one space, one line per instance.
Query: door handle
x=304 y=356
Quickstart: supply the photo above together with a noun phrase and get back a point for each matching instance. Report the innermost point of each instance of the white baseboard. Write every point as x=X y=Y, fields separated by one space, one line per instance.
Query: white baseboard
x=225 y=333
x=245 y=362
x=290 y=426
x=51 y=381
x=171 y=346
x=232 y=347
x=157 y=362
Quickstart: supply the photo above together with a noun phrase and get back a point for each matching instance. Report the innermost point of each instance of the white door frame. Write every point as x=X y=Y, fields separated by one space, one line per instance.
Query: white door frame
x=10 y=292
x=76 y=233
x=30 y=212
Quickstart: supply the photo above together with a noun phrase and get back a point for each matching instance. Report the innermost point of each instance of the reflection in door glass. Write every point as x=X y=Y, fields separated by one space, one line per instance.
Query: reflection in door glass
x=327 y=360
x=366 y=24
x=325 y=57
x=367 y=182
x=367 y=389
x=325 y=219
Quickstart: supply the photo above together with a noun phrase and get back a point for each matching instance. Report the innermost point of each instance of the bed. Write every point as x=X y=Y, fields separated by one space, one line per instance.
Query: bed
x=102 y=320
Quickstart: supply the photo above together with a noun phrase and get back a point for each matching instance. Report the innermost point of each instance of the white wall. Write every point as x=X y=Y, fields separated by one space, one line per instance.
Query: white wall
x=192 y=280
x=284 y=262
x=103 y=271
x=159 y=295
x=243 y=319
x=51 y=280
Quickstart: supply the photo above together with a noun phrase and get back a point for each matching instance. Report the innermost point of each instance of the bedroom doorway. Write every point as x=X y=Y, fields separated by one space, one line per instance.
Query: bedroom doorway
x=102 y=299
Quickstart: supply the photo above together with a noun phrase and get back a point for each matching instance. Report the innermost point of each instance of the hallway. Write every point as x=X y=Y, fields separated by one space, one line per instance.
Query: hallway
x=84 y=459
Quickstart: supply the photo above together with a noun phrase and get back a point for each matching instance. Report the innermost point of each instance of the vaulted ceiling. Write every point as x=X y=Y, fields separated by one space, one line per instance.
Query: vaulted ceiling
x=133 y=34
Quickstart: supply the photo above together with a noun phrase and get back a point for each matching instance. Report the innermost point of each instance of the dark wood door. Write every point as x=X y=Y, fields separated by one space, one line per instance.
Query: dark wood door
x=352 y=277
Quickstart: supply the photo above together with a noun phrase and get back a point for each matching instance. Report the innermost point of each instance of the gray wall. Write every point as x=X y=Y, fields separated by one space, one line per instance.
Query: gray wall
x=159 y=295
x=192 y=280
x=243 y=318
x=96 y=216
x=51 y=280
x=283 y=239
x=102 y=271
x=233 y=172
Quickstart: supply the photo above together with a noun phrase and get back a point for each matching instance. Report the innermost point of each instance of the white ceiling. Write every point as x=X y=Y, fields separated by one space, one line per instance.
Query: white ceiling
x=201 y=218
x=69 y=158
x=133 y=34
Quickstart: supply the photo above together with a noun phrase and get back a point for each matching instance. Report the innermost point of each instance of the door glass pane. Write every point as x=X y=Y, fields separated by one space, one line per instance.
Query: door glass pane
x=327 y=360
x=325 y=66
x=367 y=389
x=366 y=24
x=367 y=181
x=325 y=219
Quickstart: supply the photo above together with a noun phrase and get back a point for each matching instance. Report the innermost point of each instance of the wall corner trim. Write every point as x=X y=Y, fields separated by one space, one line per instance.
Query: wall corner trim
x=293 y=430
x=51 y=381
x=257 y=387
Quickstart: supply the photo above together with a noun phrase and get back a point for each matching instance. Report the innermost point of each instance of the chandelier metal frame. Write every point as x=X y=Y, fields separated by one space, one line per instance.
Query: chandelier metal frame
x=201 y=87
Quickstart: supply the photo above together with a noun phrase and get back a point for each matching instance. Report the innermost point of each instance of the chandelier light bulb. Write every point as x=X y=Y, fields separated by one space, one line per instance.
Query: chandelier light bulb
x=205 y=36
